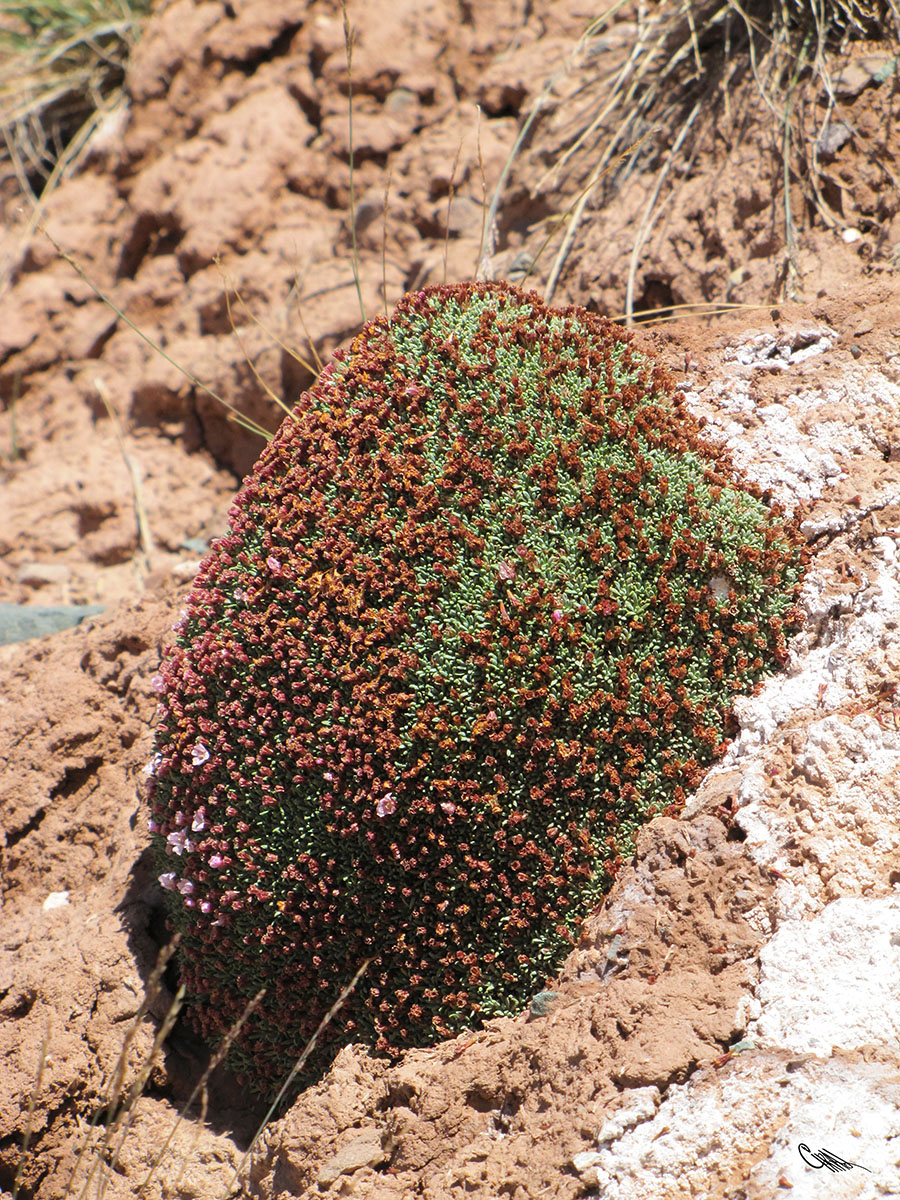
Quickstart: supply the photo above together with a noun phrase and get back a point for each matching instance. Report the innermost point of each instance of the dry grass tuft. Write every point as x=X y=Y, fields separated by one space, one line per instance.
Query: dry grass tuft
x=673 y=70
x=63 y=67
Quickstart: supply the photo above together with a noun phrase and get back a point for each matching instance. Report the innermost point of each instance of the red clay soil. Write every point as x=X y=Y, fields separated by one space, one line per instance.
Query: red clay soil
x=228 y=172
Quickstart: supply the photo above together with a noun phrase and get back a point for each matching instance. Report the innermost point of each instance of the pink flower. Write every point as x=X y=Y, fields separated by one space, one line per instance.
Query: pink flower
x=168 y=881
x=199 y=754
x=387 y=805
x=199 y=822
x=449 y=807
x=176 y=843
x=273 y=564
x=558 y=616
x=506 y=571
x=185 y=887
x=216 y=861
x=150 y=768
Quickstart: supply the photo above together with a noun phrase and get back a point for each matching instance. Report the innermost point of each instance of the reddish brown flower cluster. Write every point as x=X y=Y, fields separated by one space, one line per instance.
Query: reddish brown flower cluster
x=481 y=612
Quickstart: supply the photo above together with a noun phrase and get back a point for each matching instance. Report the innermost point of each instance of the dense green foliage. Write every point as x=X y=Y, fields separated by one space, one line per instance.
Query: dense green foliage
x=481 y=612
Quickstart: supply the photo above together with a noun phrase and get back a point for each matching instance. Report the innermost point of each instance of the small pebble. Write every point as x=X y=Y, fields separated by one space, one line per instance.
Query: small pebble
x=833 y=137
x=586 y=1159
x=185 y=571
x=540 y=1004
x=37 y=574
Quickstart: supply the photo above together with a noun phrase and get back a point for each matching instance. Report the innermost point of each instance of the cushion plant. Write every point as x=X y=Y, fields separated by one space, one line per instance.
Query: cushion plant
x=481 y=612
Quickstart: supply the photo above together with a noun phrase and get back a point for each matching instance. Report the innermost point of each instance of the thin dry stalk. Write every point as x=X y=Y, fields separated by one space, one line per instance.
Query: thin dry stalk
x=145 y=538
x=32 y=1106
x=698 y=308
x=483 y=190
x=576 y=206
x=450 y=206
x=125 y=1112
x=384 y=217
x=297 y=293
x=234 y=414
x=295 y=1071
x=273 y=396
x=294 y=353
x=201 y=1086
x=651 y=212
x=581 y=200
x=113 y=1094
x=15 y=450
x=348 y=43
x=489 y=224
